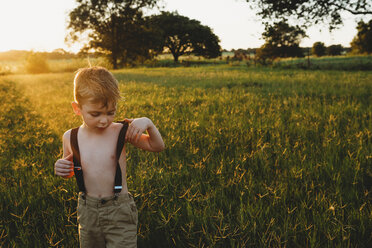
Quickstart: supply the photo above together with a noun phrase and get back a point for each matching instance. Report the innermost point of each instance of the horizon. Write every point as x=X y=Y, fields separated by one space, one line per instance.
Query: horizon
x=233 y=21
x=75 y=53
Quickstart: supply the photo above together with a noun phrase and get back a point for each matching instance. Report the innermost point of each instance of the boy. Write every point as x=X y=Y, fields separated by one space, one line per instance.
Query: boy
x=95 y=153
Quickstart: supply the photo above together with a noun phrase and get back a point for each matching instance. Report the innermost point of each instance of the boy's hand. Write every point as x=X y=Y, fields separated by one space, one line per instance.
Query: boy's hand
x=64 y=167
x=136 y=128
x=151 y=141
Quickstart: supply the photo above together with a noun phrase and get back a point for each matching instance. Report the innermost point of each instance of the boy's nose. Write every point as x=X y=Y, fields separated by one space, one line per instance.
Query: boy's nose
x=103 y=120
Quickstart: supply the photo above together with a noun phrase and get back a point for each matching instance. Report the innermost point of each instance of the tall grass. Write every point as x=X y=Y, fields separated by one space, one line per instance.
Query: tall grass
x=339 y=63
x=254 y=158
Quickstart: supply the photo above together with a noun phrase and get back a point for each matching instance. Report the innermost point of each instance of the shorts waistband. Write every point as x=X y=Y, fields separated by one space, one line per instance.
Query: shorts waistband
x=104 y=201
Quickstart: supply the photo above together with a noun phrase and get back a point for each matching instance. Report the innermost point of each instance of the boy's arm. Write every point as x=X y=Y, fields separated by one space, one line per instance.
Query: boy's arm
x=66 y=143
x=152 y=141
x=64 y=166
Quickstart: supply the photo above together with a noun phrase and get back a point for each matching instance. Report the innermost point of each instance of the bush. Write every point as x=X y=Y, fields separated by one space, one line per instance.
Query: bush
x=318 y=49
x=4 y=70
x=334 y=50
x=36 y=63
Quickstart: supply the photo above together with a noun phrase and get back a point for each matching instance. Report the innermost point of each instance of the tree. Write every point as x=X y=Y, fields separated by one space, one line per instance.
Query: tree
x=362 y=42
x=281 y=40
x=115 y=28
x=181 y=35
x=318 y=49
x=312 y=11
x=334 y=50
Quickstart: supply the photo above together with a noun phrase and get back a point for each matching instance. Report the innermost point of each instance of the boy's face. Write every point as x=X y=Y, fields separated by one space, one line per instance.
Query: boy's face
x=95 y=115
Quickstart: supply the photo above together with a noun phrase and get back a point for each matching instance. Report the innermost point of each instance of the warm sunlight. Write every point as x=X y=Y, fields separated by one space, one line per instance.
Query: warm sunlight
x=185 y=123
x=36 y=25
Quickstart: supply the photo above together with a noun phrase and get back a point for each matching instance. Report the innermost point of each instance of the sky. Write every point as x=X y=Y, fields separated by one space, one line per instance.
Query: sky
x=40 y=25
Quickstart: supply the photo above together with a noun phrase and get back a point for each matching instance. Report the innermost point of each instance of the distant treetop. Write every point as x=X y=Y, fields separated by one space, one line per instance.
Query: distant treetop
x=312 y=11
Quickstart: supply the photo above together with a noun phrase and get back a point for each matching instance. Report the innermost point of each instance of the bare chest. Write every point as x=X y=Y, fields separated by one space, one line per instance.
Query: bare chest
x=98 y=154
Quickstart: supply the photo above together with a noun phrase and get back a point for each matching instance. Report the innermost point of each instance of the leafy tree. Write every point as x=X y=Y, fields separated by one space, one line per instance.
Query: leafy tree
x=318 y=49
x=281 y=40
x=362 y=42
x=312 y=11
x=334 y=50
x=181 y=35
x=115 y=28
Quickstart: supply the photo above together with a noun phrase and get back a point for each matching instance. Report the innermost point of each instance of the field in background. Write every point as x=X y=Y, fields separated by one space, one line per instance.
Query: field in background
x=344 y=63
x=255 y=157
x=340 y=63
x=54 y=66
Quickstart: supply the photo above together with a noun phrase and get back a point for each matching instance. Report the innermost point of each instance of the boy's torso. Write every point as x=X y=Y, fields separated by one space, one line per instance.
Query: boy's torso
x=98 y=160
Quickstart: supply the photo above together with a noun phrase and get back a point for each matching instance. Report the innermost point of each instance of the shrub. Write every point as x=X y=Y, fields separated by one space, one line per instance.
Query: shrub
x=36 y=63
x=334 y=50
x=4 y=70
x=318 y=49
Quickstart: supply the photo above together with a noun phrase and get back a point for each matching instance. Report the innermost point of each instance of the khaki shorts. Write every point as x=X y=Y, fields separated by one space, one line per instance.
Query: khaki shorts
x=107 y=222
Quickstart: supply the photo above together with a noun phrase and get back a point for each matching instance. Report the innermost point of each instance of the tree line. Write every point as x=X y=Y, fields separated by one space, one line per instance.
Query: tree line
x=120 y=31
x=282 y=39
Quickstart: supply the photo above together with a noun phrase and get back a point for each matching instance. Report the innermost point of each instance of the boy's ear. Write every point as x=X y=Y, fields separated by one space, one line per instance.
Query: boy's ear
x=76 y=108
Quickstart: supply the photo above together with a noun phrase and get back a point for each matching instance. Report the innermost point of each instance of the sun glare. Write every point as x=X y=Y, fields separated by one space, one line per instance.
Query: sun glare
x=33 y=25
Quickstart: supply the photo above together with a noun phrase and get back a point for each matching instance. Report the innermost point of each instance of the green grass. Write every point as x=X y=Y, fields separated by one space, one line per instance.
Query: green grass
x=255 y=157
x=339 y=63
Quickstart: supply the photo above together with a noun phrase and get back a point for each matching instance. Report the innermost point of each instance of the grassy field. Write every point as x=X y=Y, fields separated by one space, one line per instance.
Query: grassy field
x=255 y=157
x=336 y=63
x=344 y=63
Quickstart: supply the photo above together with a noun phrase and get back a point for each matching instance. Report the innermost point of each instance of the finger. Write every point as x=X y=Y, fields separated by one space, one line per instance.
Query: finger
x=127 y=135
x=63 y=171
x=62 y=167
x=130 y=133
x=128 y=120
x=134 y=136
x=138 y=136
x=64 y=163
x=63 y=174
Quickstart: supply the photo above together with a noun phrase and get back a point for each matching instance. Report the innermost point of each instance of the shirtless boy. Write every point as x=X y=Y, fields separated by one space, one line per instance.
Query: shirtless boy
x=95 y=153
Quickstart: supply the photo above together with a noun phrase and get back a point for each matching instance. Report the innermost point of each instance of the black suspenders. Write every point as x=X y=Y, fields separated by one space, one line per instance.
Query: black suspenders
x=119 y=148
x=77 y=163
x=76 y=159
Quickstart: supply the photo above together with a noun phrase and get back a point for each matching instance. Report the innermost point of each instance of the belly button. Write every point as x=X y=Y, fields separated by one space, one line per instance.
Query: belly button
x=112 y=157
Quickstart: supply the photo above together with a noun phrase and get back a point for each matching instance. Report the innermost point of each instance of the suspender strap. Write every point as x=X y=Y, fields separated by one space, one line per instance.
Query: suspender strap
x=121 y=139
x=76 y=159
x=119 y=147
x=77 y=162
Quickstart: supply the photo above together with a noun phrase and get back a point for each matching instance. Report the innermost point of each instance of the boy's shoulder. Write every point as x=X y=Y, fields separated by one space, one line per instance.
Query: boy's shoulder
x=119 y=124
x=115 y=126
x=67 y=135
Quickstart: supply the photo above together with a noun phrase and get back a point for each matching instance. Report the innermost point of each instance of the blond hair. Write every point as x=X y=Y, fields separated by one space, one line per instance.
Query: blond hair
x=96 y=84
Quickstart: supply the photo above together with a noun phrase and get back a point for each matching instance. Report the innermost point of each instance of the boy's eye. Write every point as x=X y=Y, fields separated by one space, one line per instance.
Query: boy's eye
x=94 y=114
x=111 y=113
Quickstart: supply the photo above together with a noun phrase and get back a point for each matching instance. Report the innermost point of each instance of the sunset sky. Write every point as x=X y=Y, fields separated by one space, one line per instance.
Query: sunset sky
x=40 y=25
